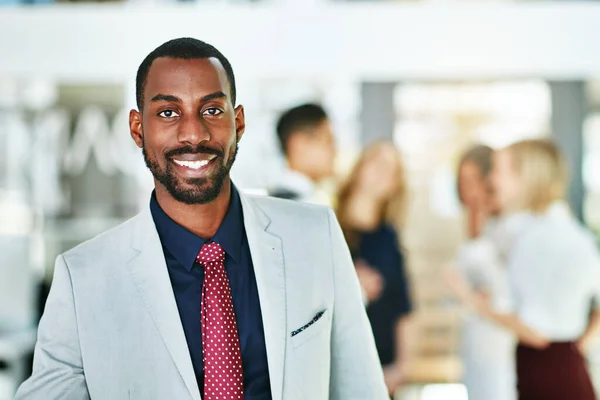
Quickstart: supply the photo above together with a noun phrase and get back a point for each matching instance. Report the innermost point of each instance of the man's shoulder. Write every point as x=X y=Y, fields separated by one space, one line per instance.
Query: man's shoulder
x=288 y=207
x=107 y=242
x=284 y=193
x=290 y=214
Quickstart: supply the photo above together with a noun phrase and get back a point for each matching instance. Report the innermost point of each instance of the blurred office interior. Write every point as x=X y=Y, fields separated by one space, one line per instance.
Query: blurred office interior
x=433 y=76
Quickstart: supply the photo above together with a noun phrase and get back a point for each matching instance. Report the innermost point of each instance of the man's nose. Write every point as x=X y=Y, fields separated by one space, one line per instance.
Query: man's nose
x=193 y=130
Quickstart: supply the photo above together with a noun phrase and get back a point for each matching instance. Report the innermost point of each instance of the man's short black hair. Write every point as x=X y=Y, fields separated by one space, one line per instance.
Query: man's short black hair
x=294 y=120
x=187 y=49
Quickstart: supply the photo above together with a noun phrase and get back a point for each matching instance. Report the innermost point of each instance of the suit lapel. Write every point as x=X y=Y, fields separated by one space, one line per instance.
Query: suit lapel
x=267 y=258
x=152 y=279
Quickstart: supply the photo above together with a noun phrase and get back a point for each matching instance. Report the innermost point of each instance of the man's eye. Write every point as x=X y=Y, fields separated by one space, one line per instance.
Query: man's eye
x=212 y=112
x=168 y=114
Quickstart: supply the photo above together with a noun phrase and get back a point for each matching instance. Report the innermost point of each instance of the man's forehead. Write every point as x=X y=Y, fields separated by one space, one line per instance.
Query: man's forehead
x=167 y=71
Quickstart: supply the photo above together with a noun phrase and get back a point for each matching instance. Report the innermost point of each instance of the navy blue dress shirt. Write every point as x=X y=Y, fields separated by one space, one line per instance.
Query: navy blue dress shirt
x=181 y=247
x=380 y=249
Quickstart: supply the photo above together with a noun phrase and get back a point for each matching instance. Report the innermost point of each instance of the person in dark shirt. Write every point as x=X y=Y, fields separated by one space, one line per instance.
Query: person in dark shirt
x=209 y=293
x=369 y=206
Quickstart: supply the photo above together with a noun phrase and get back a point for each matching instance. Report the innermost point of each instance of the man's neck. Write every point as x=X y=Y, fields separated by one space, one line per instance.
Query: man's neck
x=201 y=219
x=292 y=166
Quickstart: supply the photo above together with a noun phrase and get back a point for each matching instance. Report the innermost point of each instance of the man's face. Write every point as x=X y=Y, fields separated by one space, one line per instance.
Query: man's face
x=314 y=152
x=188 y=128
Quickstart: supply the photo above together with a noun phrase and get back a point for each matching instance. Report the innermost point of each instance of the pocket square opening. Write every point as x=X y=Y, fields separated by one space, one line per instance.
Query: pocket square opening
x=312 y=321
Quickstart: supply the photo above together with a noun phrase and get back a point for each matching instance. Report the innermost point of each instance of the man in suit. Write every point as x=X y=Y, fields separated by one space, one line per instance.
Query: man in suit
x=208 y=293
x=308 y=144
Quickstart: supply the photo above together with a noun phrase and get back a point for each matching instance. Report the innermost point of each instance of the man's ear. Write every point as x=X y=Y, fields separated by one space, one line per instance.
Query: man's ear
x=135 y=128
x=240 y=122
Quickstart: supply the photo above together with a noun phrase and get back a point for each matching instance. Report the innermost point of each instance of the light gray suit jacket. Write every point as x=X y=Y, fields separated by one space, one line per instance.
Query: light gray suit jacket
x=111 y=329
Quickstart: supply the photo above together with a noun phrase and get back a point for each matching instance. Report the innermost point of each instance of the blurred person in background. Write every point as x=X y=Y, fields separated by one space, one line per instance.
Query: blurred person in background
x=308 y=144
x=209 y=292
x=369 y=206
x=487 y=348
x=553 y=276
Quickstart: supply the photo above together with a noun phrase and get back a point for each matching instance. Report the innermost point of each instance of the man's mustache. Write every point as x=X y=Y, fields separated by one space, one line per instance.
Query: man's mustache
x=193 y=150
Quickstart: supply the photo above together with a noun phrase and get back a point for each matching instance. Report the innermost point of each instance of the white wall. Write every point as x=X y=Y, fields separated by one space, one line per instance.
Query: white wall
x=367 y=41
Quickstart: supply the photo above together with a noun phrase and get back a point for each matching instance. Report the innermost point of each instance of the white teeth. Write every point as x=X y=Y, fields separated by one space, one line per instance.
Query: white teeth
x=192 y=164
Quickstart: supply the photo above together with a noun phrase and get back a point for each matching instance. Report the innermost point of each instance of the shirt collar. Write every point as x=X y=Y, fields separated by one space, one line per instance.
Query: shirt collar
x=185 y=245
x=297 y=183
x=559 y=210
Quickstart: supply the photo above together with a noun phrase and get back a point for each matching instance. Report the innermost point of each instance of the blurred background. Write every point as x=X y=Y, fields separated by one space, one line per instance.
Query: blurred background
x=433 y=76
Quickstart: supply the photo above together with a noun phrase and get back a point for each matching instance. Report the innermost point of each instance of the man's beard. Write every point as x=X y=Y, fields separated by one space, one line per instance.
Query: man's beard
x=192 y=190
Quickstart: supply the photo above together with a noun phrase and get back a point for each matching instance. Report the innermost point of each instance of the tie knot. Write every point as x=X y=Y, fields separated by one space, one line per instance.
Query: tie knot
x=211 y=252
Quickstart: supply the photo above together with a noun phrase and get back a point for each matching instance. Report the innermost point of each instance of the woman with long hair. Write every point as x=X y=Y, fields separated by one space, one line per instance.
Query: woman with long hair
x=487 y=349
x=553 y=275
x=369 y=206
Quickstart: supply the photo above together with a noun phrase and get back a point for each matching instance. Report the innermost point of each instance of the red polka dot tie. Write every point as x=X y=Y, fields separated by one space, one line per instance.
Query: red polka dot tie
x=223 y=378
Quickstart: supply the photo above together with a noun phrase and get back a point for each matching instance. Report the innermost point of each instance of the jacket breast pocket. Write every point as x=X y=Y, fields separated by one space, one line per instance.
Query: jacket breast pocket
x=320 y=325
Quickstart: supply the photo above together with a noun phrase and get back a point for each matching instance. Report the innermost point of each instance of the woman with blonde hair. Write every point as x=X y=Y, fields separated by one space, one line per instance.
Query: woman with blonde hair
x=369 y=206
x=553 y=275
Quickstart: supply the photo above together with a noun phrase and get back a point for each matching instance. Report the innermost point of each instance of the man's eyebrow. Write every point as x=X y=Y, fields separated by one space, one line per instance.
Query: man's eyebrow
x=175 y=99
x=213 y=96
x=166 y=97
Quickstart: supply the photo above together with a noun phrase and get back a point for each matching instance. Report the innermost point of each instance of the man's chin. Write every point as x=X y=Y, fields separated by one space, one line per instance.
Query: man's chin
x=193 y=190
x=193 y=197
x=195 y=193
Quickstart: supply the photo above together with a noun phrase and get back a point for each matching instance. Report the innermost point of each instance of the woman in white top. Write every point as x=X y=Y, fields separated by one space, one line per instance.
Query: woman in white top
x=487 y=349
x=553 y=275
